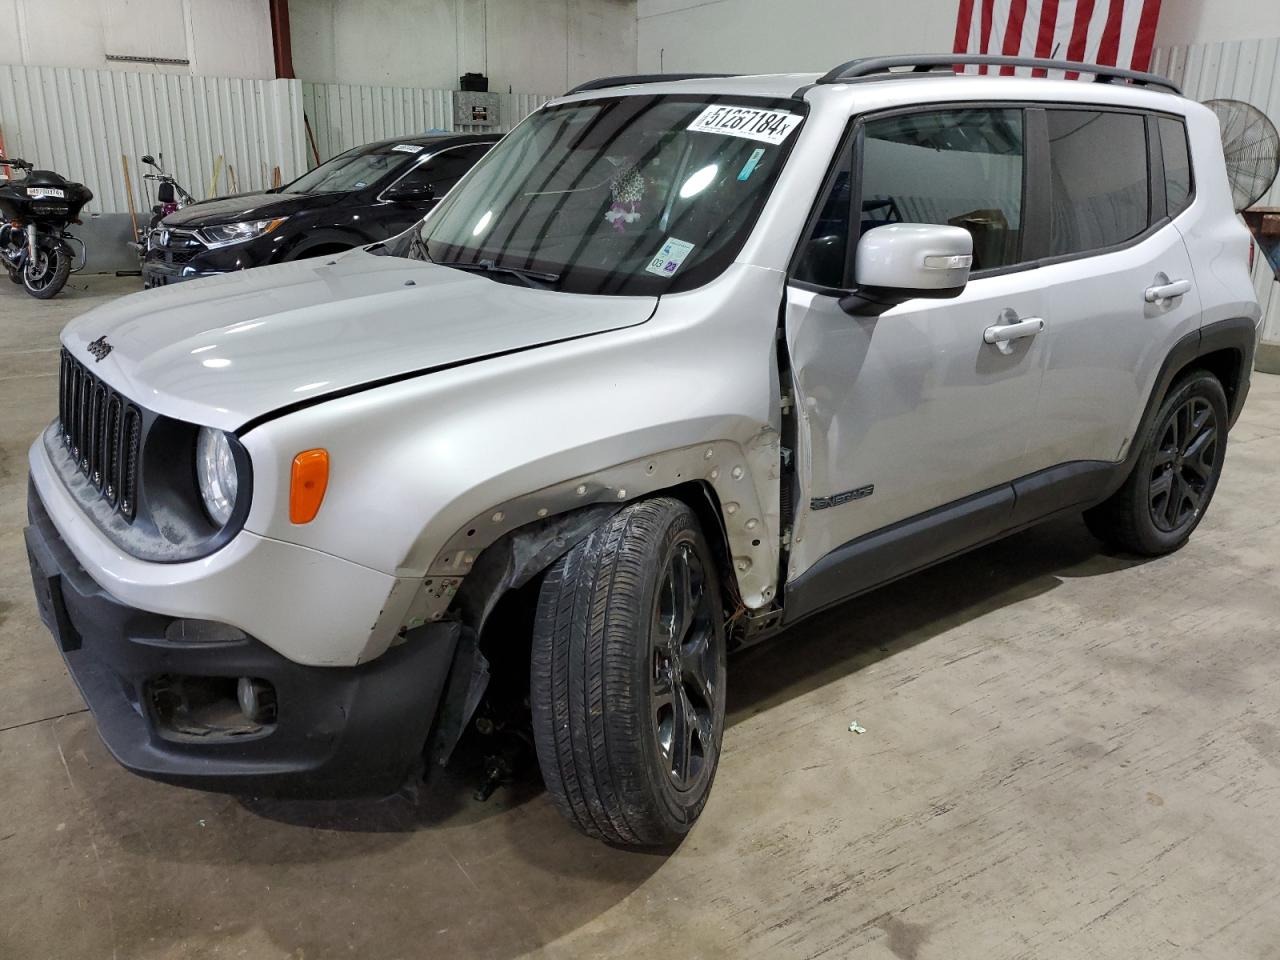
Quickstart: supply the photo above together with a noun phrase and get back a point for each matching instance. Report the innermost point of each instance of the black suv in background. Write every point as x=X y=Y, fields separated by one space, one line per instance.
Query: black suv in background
x=366 y=194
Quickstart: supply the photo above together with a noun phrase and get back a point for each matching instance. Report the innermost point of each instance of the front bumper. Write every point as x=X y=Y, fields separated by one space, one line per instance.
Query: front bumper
x=156 y=273
x=336 y=730
x=163 y=266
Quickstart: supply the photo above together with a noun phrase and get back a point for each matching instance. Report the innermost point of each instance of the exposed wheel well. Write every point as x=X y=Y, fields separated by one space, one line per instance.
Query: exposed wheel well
x=697 y=495
x=506 y=633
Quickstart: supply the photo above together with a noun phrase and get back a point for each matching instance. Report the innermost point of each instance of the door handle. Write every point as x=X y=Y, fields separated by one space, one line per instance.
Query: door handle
x=1167 y=291
x=1003 y=334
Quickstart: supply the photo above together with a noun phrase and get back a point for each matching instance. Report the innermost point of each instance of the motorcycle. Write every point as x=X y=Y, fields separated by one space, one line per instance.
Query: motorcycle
x=171 y=196
x=35 y=246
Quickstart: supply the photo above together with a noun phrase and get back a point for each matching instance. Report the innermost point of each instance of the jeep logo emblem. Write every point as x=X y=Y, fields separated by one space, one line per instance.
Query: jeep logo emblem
x=99 y=348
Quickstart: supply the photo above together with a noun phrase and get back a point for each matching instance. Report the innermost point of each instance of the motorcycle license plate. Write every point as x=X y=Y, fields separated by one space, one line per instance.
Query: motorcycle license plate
x=46 y=193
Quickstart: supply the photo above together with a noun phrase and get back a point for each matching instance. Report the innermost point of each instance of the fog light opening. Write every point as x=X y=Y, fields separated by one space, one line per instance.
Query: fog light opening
x=257 y=700
x=211 y=708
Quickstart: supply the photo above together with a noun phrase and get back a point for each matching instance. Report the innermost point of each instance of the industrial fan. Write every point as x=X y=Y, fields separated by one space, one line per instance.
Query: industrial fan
x=1251 y=146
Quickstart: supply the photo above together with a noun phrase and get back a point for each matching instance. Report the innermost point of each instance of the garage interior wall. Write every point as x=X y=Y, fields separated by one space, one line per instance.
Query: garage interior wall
x=764 y=36
x=760 y=36
x=220 y=38
x=521 y=45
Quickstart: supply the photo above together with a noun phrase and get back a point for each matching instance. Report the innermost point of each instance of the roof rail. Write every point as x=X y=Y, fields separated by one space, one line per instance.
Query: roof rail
x=870 y=67
x=602 y=83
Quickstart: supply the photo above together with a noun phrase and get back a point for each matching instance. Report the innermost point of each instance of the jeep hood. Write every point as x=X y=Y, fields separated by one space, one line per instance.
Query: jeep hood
x=226 y=350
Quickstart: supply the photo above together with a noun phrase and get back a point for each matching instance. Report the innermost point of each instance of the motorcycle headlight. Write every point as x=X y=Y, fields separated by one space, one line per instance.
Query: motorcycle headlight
x=216 y=472
x=228 y=233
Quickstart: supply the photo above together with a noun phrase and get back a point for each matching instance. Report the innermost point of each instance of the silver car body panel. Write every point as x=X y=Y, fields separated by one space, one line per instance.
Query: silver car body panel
x=526 y=396
x=224 y=350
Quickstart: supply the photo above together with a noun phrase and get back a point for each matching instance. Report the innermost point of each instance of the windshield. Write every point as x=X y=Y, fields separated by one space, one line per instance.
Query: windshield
x=632 y=195
x=355 y=169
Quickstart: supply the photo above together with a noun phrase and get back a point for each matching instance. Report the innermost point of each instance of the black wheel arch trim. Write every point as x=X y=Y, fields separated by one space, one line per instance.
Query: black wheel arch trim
x=1239 y=334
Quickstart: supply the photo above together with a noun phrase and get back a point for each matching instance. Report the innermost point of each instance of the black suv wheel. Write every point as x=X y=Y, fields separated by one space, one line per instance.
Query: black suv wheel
x=628 y=676
x=1175 y=476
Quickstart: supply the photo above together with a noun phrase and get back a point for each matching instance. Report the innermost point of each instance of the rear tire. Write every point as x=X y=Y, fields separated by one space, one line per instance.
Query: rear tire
x=53 y=268
x=627 y=676
x=1174 y=479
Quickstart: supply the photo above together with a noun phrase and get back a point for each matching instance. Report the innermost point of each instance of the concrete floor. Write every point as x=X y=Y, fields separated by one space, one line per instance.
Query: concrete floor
x=1067 y=755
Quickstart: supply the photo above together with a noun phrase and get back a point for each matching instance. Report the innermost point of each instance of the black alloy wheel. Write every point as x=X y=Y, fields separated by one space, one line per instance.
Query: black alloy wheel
x=1179 y=459
x=683 y=691
x=1184 y=467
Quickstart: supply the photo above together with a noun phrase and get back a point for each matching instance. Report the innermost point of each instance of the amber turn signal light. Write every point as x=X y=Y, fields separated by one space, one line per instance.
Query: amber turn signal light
x=307 y=484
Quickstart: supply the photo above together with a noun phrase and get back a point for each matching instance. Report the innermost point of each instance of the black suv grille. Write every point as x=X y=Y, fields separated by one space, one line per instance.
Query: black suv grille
x=181 y=247
x=103 y=433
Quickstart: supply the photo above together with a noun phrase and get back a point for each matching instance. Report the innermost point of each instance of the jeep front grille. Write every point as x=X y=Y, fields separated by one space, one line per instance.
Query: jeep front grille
x=103 y=433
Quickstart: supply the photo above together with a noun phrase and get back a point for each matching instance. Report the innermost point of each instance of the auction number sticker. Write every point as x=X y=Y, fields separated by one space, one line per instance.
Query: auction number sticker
x=47 y=193
x=673 y=253
x=407 y=148
x=751 y=123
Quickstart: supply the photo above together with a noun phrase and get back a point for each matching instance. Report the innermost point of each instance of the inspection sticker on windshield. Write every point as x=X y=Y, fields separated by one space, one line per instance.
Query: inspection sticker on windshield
x=752 y=123
x=673 y=253
x=407 y=148
x=753 y=161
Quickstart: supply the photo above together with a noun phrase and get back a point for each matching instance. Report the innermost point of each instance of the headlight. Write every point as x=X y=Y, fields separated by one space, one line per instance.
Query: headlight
x=228 y=233
x=216 y=471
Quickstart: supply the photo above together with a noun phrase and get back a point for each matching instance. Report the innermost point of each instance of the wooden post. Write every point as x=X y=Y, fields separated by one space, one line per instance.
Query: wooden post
x=311 y=137
x=128 y=190
x=217 y=173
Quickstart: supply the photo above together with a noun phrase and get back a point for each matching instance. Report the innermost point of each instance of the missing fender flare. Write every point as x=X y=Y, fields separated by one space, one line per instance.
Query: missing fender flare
x=509 y=563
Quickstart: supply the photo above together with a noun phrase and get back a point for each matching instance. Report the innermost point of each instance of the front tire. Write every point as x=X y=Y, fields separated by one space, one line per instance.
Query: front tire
x=628 y=676
x=45 y=278
x=1174 y=479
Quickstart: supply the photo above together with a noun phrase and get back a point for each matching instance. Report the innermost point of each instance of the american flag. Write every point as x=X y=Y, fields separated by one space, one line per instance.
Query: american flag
x=1118 y=33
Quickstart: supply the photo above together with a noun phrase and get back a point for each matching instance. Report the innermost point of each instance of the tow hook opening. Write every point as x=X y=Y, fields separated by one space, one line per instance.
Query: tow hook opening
x=205 y=708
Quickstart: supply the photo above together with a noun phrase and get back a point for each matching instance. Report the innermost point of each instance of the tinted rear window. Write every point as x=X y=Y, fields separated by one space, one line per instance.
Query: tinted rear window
x=1098 y=166
x=1177 y=165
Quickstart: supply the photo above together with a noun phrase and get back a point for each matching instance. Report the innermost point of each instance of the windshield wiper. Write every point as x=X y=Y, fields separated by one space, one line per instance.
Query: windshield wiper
x=530 y=278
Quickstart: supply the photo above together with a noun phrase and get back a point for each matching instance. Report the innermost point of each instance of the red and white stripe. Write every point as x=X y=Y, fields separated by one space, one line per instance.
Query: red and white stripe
x=1117 y=33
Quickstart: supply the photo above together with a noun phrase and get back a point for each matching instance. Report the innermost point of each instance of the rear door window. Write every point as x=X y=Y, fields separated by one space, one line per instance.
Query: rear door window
x=1099 y=193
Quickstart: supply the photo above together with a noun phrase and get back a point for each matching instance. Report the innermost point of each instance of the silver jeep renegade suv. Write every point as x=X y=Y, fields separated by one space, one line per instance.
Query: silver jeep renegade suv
x=679 y=363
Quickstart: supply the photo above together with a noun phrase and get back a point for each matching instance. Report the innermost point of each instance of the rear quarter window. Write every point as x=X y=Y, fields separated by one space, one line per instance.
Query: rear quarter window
x=1177 y=165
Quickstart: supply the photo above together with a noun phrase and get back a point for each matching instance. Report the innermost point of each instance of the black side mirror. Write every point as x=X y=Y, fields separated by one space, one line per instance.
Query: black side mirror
x=406 y=191
x=148 y=159
x=165 y=194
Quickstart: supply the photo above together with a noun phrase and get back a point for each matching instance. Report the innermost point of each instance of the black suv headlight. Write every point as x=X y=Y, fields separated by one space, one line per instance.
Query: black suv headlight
x=229 y=233
x=216 y=473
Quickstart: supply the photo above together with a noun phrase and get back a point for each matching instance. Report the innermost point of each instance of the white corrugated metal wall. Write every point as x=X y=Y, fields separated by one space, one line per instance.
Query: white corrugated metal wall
x=80 y=122
x=1247 y=70
x=343 y=115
